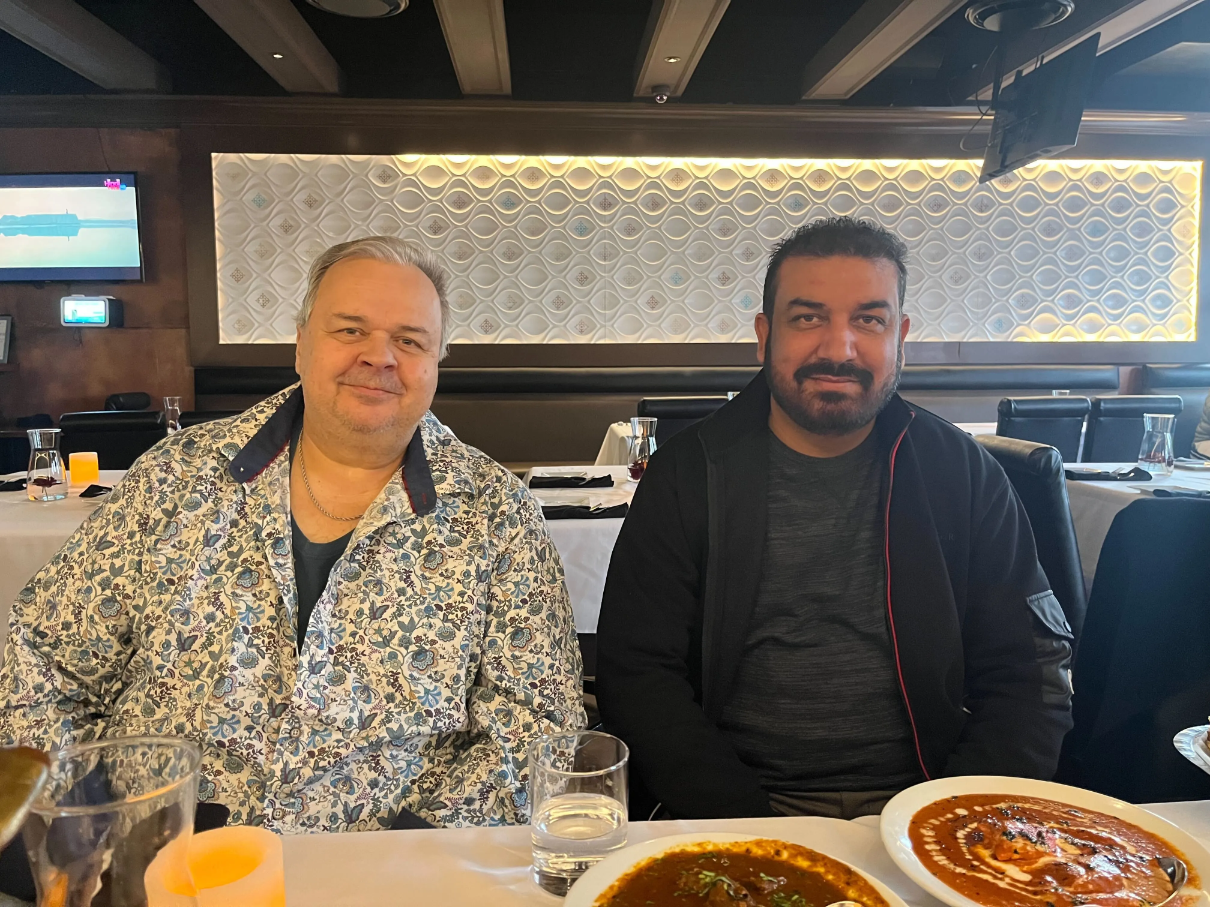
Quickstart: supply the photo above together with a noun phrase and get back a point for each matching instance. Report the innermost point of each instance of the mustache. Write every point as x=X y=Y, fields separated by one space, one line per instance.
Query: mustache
x=834 y=370
x=377 y=382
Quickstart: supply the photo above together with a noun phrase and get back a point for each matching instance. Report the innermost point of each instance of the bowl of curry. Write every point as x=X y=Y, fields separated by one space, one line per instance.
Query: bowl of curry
x=1011 y=842
x=725 y=870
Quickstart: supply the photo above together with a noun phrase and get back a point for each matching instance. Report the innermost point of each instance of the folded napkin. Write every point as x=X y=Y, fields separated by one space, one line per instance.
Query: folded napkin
x=1137 y=474
x=565 y=481
x=1180 y=493
x=13 y=485
x=583 y=512
x=95 y=491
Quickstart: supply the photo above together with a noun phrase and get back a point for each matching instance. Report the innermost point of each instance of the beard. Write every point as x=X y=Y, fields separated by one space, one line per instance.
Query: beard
x=832 y=412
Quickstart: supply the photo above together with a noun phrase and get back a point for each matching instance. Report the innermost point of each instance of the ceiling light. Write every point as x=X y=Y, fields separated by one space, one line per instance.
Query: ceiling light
x=672 y=59
x=1015 y=16
x=277 y=56
x=361 y=9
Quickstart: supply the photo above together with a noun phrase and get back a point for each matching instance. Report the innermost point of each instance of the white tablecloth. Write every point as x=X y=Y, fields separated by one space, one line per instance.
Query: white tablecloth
x=1095 y=504
x=31 y=533
x=490 y=866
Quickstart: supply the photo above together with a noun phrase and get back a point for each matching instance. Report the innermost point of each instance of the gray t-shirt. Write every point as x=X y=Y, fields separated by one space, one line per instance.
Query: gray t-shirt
x=816 y=705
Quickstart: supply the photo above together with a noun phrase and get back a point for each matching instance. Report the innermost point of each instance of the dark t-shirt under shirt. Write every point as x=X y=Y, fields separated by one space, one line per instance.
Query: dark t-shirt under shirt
x=816 y=705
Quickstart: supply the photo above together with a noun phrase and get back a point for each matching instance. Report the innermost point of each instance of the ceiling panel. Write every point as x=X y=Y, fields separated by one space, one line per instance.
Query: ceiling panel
x=24 y=70
x=402 y=56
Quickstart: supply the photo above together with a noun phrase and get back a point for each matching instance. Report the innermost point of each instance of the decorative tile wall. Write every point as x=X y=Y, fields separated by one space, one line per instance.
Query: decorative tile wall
x=589 y=250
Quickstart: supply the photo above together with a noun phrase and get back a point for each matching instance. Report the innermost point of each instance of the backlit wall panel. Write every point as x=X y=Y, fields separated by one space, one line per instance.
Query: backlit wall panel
x=589 y=250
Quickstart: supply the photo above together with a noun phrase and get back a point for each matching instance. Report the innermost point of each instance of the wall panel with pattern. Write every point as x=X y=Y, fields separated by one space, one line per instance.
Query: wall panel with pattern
x=630 y=250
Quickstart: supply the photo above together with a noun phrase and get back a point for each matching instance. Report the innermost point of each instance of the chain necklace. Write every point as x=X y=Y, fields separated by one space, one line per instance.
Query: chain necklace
x=302 y=465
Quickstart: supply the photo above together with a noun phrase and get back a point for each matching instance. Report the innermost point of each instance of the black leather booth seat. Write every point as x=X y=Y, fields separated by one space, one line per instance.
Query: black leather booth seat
x=1057 y=421
x=1115 y=425
x=1189 y=382
x=118 y=437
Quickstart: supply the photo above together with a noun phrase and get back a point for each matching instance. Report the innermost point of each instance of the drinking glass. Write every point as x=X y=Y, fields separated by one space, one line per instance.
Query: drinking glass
x=107 y=810
x=642 y=445
x=44 y=481
x=577 y=793
x=1060 y=393
x=172 y=413
x=83 y=468
x=1155 y=454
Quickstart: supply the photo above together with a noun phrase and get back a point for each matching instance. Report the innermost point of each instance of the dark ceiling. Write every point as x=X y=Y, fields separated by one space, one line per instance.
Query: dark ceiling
x=588 y=51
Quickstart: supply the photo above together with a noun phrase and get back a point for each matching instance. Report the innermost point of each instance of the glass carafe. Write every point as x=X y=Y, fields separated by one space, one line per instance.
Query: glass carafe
x=642 y=445
x=1155 y=454
x=45 y=481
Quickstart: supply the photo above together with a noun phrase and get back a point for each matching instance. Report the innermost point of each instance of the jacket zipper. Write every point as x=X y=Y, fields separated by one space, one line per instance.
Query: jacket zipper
x=890 y=611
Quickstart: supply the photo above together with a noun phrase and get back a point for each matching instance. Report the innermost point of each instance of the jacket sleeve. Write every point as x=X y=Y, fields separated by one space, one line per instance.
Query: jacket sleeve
x=528 y=682
x=69 y=638
x=644 y=644
x=1017 y=647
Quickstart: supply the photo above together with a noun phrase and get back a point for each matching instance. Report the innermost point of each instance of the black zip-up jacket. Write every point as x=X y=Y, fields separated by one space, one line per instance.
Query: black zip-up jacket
x=982 y=649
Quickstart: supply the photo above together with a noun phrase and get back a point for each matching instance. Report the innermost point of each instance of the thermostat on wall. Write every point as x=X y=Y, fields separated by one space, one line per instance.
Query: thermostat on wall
x=90 y=312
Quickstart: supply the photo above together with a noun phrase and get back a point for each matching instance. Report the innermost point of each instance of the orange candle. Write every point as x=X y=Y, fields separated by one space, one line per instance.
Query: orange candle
x=83 y=468
x=240 y=866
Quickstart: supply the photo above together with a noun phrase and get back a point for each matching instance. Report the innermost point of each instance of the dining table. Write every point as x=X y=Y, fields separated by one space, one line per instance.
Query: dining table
x=490 y=866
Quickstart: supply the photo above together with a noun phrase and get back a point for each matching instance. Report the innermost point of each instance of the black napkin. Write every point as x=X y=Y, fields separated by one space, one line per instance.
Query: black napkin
x=571 y=481
x=95 y=491
x=583 y=512
x=1178 y=493
x=1137 y=474
x=13 y=485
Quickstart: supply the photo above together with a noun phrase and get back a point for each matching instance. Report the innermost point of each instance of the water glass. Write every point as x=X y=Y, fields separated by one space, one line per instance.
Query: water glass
x=108 y=810
x=44 y=480
x=172 y=413
x=577 y=794
x=1155 y=454
x=642 y=445
x=1060 y=393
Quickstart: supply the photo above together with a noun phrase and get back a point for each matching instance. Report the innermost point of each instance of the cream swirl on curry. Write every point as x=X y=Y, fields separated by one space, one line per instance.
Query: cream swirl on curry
x=1009 y=851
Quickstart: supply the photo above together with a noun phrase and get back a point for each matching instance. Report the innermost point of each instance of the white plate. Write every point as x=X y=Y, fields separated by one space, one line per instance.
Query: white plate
x=594 y=882
x=1191 y=743
x=898 y=814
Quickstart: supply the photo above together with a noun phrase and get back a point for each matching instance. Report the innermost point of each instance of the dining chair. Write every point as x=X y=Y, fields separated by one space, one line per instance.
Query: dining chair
x=674 y=414
x=1115 y=425
x=1036 y=473
x=119 y=437
x=1057 y=421
x=198 y=416
x=1142 y=670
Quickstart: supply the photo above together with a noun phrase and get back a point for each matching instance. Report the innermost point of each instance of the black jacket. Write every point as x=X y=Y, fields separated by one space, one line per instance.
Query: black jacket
x=981 y=645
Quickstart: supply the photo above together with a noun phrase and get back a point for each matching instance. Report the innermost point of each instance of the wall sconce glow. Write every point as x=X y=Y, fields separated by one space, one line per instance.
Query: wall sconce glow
x=278 y=56
x=558 y=249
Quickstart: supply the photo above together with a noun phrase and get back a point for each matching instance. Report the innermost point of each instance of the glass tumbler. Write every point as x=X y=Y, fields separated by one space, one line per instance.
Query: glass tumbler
x=577 y=794
x=1155 y=454
x=45 y=481
x=172 y=413
x=642 y=445
x=108 y=810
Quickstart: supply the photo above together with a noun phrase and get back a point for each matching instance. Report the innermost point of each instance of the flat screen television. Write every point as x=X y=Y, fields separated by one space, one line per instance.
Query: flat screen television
x=69 y=227
x=1038 y=115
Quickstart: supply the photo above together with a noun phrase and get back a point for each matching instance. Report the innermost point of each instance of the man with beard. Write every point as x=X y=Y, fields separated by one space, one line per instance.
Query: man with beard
x=824 y=594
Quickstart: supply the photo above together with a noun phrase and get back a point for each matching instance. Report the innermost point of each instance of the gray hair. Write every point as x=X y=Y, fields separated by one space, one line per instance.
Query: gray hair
x=389 y=249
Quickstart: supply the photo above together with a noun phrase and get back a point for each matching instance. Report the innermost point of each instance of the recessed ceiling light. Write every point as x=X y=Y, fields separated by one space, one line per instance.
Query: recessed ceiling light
x=672 y=59
x=277 y=56
x=362 y=9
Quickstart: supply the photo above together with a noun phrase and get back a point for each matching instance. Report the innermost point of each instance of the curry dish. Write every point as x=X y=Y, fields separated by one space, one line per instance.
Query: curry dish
x=1006 y=851
x=758 y=873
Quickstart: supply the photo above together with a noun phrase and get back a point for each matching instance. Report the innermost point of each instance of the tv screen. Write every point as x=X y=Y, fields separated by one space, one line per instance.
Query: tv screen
x=69 y=226
x=1039 y=114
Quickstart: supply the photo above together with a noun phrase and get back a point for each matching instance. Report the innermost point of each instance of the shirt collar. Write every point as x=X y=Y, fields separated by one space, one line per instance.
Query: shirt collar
x=273 y=437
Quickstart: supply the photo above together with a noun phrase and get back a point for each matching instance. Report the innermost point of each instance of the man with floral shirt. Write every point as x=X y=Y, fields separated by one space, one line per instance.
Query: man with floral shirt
x=353 y=613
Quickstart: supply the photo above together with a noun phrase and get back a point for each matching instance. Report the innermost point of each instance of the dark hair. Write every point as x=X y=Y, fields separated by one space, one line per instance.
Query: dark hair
x=830 y=236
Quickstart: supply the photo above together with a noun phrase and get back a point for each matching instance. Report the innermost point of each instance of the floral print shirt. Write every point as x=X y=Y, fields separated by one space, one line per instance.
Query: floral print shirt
x=442 y=646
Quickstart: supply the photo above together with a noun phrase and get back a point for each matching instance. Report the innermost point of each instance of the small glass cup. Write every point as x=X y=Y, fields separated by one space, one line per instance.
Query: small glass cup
x=577 y=794
x=1155 y=454
x=44 y=481
x=82 y=468
x=172 y=413
x=642 y=445
x=1060 y=393
x=108 y=810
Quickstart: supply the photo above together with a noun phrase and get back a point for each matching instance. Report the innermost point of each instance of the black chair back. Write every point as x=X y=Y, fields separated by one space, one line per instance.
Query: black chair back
x=1115 y=425
x=198 y=416
x=677 y=413
x=1057 y=421
x=1189 y=382
x=136 y=400
x=1036 y=473
x=119 y=437
x=1142 y=671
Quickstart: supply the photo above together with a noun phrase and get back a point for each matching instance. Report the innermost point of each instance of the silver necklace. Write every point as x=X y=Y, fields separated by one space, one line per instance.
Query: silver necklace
x=302 y=465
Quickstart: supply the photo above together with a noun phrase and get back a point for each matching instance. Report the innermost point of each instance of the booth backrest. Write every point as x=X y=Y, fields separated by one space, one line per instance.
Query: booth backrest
x=1189 y=382
x=119 y=437
x=1115 y=425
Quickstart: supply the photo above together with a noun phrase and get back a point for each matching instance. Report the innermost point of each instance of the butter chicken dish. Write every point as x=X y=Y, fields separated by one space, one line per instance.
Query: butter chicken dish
x=1002 y=850
x=756 y=873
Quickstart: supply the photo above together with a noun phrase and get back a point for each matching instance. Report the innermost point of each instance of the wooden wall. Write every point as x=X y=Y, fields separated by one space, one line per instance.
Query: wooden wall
x=56 y=369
